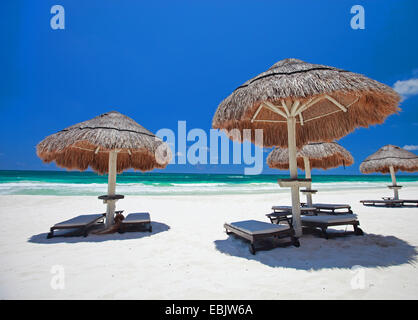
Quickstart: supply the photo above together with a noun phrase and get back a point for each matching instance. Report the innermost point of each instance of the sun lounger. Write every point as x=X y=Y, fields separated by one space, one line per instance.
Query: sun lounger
x=332 y=208
x=284 y=213
x=303 y=210
x=387 y=203
x=324 y=221
x=410 y=201
x=277 y=217
x=136 y=222
x=256 y=231
x=80 y=225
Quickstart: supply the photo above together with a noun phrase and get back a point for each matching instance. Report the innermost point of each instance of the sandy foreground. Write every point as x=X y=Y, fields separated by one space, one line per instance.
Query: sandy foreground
x=189 y=256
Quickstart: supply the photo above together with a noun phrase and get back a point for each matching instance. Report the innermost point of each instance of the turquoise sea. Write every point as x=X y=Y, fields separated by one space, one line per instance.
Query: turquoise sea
x=133 y=183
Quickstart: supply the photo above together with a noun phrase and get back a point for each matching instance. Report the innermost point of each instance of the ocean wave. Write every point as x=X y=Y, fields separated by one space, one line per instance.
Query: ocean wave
x=95 y=189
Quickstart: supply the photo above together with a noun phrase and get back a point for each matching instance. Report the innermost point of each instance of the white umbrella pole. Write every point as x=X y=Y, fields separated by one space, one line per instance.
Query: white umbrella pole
x=308 y=176
x=111 y=188
x=291 y=134
x=395 y=190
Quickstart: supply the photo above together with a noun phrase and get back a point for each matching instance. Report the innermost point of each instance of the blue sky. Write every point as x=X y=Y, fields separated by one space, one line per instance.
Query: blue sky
x=166 y=61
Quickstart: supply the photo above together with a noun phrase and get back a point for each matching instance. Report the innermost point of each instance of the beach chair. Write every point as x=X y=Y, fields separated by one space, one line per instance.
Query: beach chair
x=284 y=213
x=303 y=209
x=283 y=216
x=136 y=222
x=323 y=222
x=331 y=208
x=77 y=226
x=387 y=202
x=257 y=231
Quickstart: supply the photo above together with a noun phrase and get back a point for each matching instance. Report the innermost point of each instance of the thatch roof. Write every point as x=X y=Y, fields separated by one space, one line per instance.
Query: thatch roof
x=387 y=156
x=324 y=155
x=88 y=144
x=368 y=102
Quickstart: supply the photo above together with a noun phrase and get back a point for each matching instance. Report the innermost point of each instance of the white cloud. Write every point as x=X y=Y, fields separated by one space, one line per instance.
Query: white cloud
x=406 y=88
x=410 y=147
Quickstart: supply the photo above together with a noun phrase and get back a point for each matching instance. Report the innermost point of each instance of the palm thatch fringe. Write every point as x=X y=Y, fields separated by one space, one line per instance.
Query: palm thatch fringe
x=88 y=144
x=369 y=102
x=387 y=156
x=320 y=155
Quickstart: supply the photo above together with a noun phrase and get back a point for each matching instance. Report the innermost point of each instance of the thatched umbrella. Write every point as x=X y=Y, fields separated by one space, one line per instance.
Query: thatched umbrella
x=390 y=159
x=109 y=143
x=321 y=155
x=295 y=103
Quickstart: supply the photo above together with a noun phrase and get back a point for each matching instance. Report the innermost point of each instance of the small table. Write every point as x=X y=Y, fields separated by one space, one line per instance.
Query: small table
x=395 y=187
x=309 y=191
x=287 y=183
x=107 y=197
x=110 y=200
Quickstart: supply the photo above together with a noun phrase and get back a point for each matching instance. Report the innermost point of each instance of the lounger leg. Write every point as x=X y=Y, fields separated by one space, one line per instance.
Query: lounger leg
x=252 y=248
x=295 y=242
x=50 y=234
x=324 y=231
x=357 y=230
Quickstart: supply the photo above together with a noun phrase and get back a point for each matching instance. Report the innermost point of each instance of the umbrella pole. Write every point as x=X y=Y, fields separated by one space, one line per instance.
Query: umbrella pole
x=395 y=190
x=308 y=176
x=291 y=135
x=111 y=188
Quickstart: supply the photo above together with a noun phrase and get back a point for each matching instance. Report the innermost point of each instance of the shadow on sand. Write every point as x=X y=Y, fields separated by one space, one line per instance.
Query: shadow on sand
x=157 y=227
x=316 y=253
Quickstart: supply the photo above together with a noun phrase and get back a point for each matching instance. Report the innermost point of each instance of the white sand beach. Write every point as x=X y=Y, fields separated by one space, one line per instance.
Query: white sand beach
x=189 y=256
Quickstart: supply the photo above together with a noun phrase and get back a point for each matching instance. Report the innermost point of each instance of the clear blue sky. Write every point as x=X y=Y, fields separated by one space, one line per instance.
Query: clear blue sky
x=163 y=61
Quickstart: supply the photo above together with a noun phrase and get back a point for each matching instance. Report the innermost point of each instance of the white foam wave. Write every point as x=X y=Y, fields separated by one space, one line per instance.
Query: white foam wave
x=46 y=188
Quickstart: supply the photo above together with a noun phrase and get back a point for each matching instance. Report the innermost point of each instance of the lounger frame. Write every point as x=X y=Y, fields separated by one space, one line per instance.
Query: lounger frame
x=138 y=226
x=324 y=226
x=383 y=203
x=410 y=201
x=332 y=209
x=253 y=238
x=277 y=217
x=403 y=200
x=135 y=225
x=84 y=229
